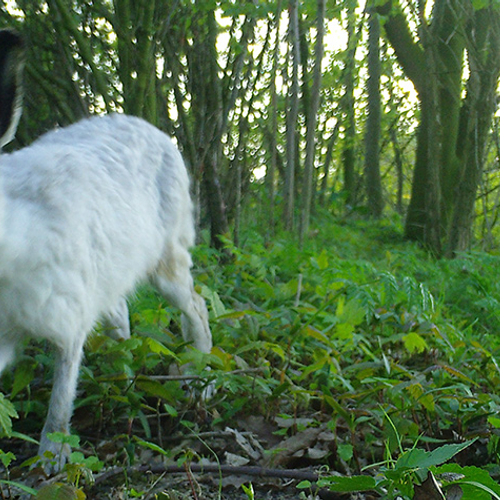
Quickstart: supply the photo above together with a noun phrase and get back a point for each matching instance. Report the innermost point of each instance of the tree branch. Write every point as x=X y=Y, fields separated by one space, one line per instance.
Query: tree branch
x=84 y=48
x=408 y=53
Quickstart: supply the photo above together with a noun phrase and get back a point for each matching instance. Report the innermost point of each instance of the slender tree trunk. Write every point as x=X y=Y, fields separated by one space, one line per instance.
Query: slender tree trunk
x=271 y=172
x=312 y=121
x=372 y=137
x=207 y=98
x=327 y=162
x=398 y=160
x=292 y=115
x=348 y=151
x=432 y=182
x=243 y=175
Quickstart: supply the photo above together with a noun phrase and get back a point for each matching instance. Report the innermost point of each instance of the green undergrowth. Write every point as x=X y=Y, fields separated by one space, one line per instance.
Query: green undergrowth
x=358 y=330
x=380 y=327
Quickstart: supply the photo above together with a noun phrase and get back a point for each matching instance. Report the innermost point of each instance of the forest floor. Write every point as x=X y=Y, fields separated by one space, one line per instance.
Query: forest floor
x=358 y=361
x=252 y=462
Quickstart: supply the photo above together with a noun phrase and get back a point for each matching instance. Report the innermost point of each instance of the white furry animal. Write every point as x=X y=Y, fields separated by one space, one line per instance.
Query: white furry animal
x=86 y=212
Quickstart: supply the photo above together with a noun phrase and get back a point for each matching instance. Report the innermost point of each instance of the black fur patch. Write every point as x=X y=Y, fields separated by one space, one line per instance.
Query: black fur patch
x=11 y=62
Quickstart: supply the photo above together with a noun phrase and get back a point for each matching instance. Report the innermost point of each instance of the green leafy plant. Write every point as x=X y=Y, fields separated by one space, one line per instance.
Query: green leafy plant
x=248 y=491
x=7 y=413
x=398 y=478
x=345 y=335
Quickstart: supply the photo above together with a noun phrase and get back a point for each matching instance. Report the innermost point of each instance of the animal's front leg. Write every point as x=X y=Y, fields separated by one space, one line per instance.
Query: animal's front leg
x=67 y=365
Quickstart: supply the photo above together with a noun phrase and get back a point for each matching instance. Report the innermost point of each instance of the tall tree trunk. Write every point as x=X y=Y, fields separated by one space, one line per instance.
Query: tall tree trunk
x=423 y=222
x=240 y=153
x=292 y=115
x=452 y=130
x=477 y=112
x=271 y=172
x=312 y=121
x=348 y=151
x=207 y=98
x=372 y=136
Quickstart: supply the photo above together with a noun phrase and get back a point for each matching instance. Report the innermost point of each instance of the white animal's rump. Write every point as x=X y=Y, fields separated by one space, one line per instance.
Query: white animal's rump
x=85 y=213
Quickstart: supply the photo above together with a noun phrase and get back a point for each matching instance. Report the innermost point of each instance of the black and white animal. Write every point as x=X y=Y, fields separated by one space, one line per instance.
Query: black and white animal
x=86 y=212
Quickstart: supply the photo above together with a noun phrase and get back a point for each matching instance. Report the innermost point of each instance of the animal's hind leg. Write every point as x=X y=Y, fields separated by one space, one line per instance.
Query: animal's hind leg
x=174 y=281
x=116 y=323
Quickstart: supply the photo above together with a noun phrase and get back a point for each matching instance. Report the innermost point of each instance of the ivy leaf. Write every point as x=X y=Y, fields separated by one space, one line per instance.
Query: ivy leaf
x=414 y=343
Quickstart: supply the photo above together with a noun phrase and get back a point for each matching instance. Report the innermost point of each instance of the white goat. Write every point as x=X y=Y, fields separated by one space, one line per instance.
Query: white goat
x=85 y=213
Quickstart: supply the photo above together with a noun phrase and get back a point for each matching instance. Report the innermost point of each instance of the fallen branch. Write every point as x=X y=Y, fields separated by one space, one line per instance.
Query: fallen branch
x=301 y=475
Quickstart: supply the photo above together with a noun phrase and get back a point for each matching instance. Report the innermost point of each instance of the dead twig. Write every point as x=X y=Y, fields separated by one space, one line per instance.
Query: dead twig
x=255 y=471
x=298 y=474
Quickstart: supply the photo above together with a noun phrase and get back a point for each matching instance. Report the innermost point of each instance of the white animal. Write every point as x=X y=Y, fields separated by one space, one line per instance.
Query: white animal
x=86 y=212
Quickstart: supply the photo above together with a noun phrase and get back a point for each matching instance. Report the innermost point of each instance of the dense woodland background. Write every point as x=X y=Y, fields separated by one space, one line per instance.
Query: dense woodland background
x=289 y=106
x=323 y=139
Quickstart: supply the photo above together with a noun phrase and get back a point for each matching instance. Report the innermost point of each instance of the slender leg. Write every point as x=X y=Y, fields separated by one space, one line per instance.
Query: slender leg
x=178 y=289
x=174 y=281
x=67 y=366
